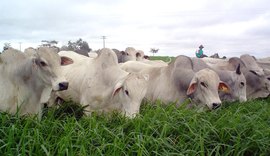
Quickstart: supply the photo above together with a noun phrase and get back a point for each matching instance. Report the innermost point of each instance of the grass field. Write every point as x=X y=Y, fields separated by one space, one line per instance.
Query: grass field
x=234 y=129
x=164 y=58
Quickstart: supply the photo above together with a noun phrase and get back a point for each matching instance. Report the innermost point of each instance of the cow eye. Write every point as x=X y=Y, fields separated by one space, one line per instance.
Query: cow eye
x=43 y=64
x=242 y=83
x=203 y=84
x=126 y=91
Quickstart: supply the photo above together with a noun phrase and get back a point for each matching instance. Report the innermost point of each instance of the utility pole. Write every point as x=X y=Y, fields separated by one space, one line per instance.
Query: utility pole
x=103 y=37
x=20 y=46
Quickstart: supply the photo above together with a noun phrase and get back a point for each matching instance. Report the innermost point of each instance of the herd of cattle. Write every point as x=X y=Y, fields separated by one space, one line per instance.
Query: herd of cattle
x=110 y=80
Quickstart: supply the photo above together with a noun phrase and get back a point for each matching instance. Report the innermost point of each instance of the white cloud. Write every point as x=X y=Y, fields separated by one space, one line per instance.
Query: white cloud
x=230 y=27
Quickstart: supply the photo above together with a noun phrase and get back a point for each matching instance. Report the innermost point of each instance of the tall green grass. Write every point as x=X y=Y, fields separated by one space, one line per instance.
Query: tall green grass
x=235 y=129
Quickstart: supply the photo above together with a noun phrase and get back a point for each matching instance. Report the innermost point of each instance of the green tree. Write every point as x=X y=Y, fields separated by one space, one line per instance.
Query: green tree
x=49 y=43
x=6 y=46
x=78 y=46
x=154 y=50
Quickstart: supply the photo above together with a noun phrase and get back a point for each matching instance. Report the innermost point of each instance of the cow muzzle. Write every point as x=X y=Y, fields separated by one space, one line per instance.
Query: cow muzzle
x=63 y=86
x=216 y=105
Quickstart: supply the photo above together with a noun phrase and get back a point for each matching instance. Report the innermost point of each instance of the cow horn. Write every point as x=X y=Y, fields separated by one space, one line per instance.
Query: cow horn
x=238 y=70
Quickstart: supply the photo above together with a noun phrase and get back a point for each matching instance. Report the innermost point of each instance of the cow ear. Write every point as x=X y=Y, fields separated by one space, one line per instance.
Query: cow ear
x=117 y=90
x=223 y=87
x=191 y=88
x=118 y=86
x=66 y=60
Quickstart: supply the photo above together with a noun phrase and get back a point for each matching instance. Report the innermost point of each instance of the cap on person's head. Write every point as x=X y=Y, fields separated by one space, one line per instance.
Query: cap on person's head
x=201 y=46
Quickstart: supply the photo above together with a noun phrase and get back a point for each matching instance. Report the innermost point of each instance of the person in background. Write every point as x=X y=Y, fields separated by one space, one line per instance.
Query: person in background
x=199 y=53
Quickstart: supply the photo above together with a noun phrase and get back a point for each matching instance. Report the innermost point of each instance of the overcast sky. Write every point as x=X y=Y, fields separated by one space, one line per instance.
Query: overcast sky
x=229 y=27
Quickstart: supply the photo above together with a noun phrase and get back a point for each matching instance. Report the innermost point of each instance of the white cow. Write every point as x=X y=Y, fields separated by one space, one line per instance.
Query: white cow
x=177 y=82
x=27 y=82
x=132 y=52
x=102 y=86
x=92 y=54
x=214 y=60
x=157 y=63
x=140 y=57
x=135 y=66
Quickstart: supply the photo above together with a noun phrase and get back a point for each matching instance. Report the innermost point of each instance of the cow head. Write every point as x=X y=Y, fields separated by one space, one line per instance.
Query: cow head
x=257 y=84
x=237 y=82
x=204 y=88
x=47 y=65
x=239 y=90
x=124 y=57
x=129 y=92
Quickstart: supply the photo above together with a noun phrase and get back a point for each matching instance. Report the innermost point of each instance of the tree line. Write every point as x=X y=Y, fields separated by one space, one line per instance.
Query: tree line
x=80 y=46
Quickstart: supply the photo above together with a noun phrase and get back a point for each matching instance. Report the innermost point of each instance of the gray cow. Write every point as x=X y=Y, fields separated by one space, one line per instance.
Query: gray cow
x=178 y=81
x=234 y=79
x=258 y=83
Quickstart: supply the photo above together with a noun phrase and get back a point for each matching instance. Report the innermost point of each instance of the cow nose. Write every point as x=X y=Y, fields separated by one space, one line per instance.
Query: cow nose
x=216 y=105
x=63 y=86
